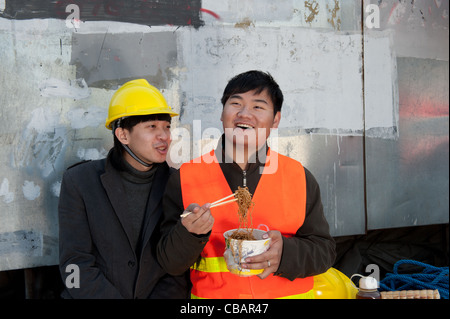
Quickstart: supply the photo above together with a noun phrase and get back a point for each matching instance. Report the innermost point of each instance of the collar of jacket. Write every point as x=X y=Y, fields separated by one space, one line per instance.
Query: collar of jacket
x=112 y=182
x=255 y=161
x=233 y=172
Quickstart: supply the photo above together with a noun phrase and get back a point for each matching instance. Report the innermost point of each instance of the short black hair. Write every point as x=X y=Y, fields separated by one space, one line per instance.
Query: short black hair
x=129 y=122
x=254 y=80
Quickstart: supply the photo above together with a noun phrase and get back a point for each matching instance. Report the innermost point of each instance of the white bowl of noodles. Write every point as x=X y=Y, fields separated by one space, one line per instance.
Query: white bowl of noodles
x=243 y=243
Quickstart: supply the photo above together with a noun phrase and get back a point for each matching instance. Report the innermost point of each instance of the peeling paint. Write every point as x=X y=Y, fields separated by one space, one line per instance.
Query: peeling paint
x=91 y=154
x=59 y=88
x=31 y=191
x=43 y=120
x=244 y=24
x=313 y=8
x=41 y=143
x=21 y=243
x=335 y=21
x=56 y=188
x=91 y=117
x=8 y=197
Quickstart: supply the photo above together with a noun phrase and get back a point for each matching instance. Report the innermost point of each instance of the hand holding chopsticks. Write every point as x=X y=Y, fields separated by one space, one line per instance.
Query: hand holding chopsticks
x=219 y=202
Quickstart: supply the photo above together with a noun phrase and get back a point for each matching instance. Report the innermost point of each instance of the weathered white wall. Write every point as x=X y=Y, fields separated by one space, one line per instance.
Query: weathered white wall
x=340 y=87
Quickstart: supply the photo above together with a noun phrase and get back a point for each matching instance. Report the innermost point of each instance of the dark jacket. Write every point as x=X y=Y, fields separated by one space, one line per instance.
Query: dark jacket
x=94 y=235
x=310 y=252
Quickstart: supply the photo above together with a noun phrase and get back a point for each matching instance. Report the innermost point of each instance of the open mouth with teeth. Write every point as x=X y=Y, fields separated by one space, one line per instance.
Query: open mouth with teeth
x=162 y=148
x=244 y=126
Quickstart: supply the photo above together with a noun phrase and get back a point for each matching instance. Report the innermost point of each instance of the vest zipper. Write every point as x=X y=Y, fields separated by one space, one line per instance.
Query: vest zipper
x=244 y=178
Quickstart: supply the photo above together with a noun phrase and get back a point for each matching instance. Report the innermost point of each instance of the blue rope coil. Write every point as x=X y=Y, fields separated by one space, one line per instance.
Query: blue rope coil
x=430 y=278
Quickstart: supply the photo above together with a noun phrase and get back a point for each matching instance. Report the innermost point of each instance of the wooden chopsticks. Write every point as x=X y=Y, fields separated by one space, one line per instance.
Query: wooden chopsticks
x=218 y=202
x=222 y=201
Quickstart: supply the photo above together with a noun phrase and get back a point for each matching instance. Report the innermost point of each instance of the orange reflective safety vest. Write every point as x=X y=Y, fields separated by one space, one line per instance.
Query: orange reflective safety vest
x=280 y=203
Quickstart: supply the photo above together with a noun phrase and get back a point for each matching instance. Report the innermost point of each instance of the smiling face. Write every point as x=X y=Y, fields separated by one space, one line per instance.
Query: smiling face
x=149 y=140
x=247 y=119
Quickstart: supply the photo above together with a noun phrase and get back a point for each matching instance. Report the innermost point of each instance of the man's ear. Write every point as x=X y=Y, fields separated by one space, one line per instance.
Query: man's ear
x=276 y=120
x=122 y=135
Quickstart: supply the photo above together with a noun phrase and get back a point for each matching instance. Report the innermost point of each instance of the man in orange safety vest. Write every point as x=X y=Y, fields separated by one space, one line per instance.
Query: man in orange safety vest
x=286 y=199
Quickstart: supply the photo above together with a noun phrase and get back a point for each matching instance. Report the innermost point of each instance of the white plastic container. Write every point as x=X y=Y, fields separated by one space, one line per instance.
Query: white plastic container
x=238 y=250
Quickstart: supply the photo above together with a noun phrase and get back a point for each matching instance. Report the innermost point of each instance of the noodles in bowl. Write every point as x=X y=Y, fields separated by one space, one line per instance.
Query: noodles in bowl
x=244 y=241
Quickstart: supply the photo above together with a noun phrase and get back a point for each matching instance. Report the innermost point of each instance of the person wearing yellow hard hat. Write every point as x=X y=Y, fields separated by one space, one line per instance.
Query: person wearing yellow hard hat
x=109 y=209
x=129 y=104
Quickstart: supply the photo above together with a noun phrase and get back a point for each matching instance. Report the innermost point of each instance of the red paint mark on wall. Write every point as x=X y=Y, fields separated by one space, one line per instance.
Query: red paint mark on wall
x=423 y=107
x=215 y=15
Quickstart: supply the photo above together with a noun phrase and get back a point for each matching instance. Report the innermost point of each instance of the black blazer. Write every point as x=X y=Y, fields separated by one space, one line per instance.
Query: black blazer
x=93 y=235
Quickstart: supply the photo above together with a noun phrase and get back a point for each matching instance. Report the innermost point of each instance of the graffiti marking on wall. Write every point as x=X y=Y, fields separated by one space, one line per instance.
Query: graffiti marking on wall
x=147 y=12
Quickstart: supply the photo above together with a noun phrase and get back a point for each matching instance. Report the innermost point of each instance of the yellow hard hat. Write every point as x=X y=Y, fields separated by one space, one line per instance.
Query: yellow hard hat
x=333 y=285
x=136 y=97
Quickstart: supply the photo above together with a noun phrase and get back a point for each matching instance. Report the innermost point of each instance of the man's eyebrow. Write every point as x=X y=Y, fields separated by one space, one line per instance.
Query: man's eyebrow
x=260 y=101
x=237 y=96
